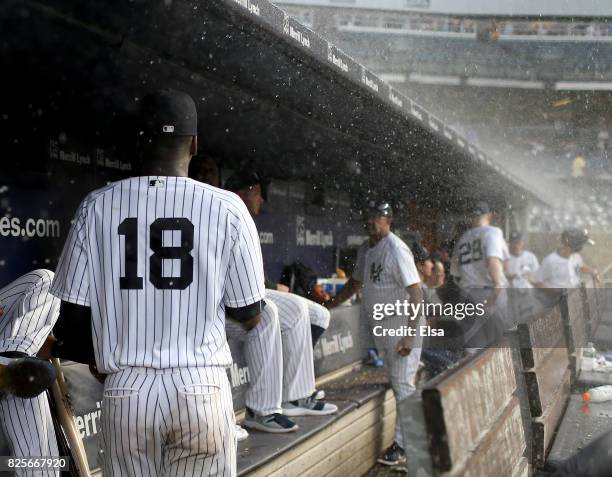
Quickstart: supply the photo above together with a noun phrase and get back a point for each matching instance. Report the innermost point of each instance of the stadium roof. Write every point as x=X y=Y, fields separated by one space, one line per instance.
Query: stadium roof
x=525 y=8
x=268 y=90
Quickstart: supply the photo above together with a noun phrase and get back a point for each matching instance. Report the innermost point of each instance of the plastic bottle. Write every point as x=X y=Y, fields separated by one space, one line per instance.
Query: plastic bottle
x=589 y=355
x=598 y=394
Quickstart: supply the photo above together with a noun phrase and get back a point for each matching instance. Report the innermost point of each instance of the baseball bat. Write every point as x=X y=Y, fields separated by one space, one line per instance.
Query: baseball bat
x=62 y=441
x=59 y=390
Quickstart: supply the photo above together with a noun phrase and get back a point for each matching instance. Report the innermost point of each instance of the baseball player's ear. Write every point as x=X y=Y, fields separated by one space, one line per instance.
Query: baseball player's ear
x=193 y=149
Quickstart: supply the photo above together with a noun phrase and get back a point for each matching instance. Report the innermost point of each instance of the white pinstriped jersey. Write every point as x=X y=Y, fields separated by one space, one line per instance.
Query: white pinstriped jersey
x=157 y=259
x=385 y=270
x=27 y=312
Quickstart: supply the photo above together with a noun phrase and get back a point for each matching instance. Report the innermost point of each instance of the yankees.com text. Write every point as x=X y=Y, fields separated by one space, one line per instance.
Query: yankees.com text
x=16 y=227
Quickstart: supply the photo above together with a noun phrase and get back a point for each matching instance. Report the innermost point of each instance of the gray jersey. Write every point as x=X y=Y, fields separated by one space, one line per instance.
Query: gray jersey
x=471 y=252
x=157 y=259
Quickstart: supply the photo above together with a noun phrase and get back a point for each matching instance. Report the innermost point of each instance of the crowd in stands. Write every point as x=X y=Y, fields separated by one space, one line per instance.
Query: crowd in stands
x=577 y=153
x=415 y=23
x=587 y=210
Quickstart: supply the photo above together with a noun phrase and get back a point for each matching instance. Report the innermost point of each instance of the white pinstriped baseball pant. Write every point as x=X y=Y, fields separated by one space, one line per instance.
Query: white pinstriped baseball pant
x=28 y=426
x=168 y=422
x=278 y=352
x=401 y=370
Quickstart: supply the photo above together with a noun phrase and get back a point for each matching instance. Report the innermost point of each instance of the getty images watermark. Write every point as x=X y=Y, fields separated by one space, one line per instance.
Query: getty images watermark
x=407 y=310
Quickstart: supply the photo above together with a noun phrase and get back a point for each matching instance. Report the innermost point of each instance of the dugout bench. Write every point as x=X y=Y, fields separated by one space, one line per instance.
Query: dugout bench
x=510 y=408
x=363 y=425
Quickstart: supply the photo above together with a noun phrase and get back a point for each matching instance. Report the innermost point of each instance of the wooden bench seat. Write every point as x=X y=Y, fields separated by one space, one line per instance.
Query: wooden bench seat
x=551 y=350
x=467 y=421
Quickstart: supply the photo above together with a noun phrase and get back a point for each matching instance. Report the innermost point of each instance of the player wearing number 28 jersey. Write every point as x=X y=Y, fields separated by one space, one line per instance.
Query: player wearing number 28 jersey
x=479 y=257
x=480 y=253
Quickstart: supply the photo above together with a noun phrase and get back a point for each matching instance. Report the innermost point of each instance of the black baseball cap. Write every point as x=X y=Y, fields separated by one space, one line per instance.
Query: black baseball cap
x=479 y=208
x=515 y=236
x=168 y=113
x=379 y=209
x=245 y=179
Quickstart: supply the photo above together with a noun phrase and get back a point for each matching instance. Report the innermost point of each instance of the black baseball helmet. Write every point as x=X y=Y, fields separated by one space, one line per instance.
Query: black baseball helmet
x=576 y=238
x=379 y=209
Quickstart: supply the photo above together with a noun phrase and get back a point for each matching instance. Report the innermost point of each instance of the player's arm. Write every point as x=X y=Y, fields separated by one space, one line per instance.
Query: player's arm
x=72 y=332
x=496 y=271
x=407 y=275
x=245 y=285
x=270 y=285
x=495 y=268
x=405 y=345
x=348 y=290
x=593 y=272
x=71 y=285
x=541 y=275
x=248 y=316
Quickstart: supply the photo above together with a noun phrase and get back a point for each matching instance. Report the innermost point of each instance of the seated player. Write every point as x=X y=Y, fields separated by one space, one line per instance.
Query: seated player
x=27 y=315
x=278 y=352
x=248 y=185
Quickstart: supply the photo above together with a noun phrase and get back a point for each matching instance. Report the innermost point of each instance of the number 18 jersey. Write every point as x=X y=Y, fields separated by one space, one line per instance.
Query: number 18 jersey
x=471 y=252
x=157 y=259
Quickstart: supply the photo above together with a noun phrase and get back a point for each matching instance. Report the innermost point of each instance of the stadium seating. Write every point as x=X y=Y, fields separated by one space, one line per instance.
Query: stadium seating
x=508 y=59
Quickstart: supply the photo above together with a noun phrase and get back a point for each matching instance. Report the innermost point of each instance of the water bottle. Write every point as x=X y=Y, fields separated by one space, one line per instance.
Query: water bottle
x=589 y=354
x=598 y=394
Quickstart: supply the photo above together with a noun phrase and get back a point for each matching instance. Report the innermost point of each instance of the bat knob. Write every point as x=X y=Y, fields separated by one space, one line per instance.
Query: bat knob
x=28 y=377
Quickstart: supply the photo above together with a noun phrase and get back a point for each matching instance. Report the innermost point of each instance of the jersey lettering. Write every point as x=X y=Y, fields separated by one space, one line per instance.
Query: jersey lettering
x=470 y=252
x=131 y=281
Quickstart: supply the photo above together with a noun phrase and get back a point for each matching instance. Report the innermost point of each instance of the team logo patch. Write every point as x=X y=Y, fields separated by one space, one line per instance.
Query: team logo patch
x=375 y=271
x=156 y=183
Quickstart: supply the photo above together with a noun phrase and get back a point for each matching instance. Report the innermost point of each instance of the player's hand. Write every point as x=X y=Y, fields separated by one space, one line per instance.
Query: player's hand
x=596 y=278
x=45 y=350
x=282 y=288
x=492 y=298
x=404 y=346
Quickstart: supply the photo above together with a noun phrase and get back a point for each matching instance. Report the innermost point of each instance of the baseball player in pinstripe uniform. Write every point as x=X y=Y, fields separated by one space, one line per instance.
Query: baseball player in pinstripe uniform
x=278 y=350
x=158 y=261
x=27 y=315
x=248 y=185
x=386 y=270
